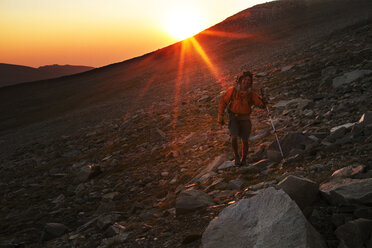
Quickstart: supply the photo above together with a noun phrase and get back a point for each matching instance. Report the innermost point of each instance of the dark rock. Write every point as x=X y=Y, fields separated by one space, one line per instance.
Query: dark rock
x=338 y=219
x=105 y=220
x=357 y=130
x=348 y=191
x=289 y=142
x=191 y=200
x=191 y=238
x=338 y=134
x=88 y=172
x=53 y=230
x=302 y=190
x=236 y=184
x=355 y=233
x=274 y=155
x=347 y=139
x=115 y=229
x=363 y=212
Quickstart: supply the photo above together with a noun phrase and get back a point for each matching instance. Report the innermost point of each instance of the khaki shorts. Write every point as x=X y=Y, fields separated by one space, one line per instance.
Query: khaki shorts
x=239 y=126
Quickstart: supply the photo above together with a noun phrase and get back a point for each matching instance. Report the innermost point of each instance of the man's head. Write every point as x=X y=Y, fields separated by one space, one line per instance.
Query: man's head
x=245 y=80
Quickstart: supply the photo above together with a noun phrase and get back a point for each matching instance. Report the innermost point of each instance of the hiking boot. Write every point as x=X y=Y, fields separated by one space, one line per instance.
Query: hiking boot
x=237 y=161
x=243 y=162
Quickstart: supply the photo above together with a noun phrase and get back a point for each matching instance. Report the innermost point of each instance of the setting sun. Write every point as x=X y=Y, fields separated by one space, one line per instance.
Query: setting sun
x=183 y=23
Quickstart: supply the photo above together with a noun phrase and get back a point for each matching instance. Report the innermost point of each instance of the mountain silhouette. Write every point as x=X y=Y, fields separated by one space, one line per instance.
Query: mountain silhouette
x=15 y=74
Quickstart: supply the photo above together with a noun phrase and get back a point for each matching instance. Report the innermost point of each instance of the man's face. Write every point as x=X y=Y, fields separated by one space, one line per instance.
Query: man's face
x=246 y=83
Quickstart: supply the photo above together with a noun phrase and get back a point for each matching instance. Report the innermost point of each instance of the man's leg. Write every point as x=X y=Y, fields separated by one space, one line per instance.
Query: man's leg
x=234 y=144
x=244 y=151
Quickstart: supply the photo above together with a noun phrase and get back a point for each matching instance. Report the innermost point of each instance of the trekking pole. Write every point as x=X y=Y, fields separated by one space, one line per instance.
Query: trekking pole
x=272 y=124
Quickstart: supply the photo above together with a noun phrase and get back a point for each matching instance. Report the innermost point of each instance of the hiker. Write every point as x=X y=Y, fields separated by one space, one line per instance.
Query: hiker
x=238 y=99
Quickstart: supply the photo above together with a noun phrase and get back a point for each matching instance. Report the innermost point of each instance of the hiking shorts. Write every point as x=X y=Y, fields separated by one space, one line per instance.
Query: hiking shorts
x=239 y=126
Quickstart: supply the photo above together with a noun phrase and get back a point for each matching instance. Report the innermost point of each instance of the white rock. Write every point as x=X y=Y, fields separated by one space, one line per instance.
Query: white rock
x=287 y=68
x=301 y=103
x=346 y=125
x=226 y=164
x=164 y=173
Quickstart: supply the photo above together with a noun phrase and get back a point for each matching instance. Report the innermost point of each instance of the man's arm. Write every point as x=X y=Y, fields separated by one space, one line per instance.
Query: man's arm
x=225 y=99
x=257 y=100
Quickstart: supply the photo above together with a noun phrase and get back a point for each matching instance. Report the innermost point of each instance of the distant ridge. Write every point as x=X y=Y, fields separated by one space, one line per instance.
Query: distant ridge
x=14 y=74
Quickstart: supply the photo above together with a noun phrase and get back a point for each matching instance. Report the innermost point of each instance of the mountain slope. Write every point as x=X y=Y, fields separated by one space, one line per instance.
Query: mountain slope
x=111 y=164
x=15 y=74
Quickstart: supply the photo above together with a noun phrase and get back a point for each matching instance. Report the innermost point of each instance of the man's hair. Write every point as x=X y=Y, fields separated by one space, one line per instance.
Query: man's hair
x=244 y=75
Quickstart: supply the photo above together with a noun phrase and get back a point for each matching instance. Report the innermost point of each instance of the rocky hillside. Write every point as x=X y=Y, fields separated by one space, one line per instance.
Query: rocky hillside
x=149 y=167
x=15 y=74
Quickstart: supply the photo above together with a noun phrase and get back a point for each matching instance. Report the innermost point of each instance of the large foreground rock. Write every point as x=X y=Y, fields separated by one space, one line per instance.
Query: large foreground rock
x=269 y=219
x=191 y=200
x=348 y=191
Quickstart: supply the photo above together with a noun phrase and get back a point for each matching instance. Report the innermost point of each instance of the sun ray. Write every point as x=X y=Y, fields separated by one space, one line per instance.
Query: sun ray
x=177 y=87
x=140 y=96
x=214 y=70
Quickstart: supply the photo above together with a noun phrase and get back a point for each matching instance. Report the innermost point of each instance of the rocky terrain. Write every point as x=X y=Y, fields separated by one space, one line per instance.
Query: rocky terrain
x=160 y=173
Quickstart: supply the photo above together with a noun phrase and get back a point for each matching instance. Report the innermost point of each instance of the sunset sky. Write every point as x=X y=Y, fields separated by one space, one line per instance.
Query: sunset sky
x=101 y=32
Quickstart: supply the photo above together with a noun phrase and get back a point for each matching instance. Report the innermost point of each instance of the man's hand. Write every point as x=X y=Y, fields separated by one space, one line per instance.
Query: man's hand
x=220 y=119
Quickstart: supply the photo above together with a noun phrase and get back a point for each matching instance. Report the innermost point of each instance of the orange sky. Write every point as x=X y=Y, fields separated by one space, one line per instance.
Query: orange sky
x=99 y=32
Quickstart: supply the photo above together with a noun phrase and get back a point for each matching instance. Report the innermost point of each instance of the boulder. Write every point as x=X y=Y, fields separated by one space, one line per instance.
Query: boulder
x=302 y=190
x=105 y=220
x=348 y=191
x=355 y=234
x=289 y=142
x=191 y=200
x=236 y=184
x=269 y=219
x=53 y=230
x=274 y=155
x=88 y=172
x=350 y=77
